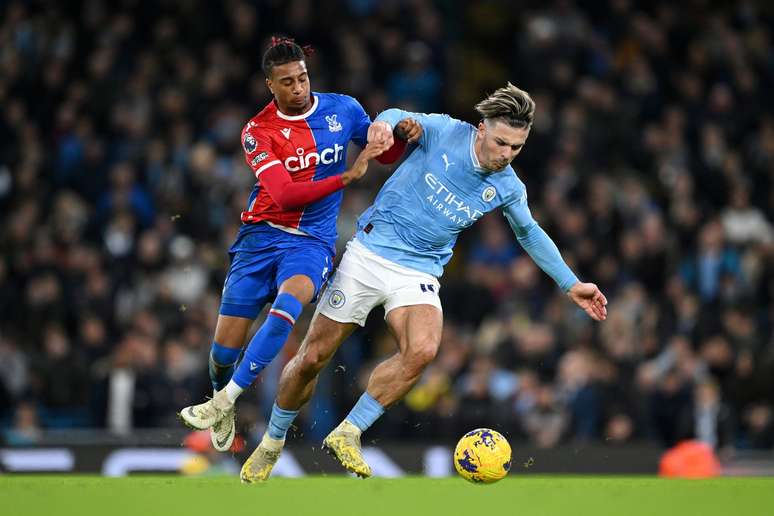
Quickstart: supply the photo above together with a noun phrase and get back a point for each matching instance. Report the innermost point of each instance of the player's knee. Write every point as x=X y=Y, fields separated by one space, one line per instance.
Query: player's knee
x=299 y=286
x=420 y=355
x=426 y=354
x=311 y=362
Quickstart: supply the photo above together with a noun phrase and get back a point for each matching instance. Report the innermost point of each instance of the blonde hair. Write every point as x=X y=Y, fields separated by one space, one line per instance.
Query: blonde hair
x=510 y=105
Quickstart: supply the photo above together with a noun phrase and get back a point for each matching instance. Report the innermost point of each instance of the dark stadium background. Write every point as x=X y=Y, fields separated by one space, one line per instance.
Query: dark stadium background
x=650 y=163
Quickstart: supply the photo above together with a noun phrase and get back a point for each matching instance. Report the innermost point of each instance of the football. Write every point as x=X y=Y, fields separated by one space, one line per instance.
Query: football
x=482 y=456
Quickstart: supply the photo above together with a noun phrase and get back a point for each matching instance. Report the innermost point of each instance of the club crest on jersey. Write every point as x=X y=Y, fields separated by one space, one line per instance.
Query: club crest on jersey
x=337 y=299
x=333 y=125
x=489 y=193
x=249 y=143
x=259 y=157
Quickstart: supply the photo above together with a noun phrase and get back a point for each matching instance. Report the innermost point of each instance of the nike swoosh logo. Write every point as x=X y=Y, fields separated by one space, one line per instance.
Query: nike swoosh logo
x=191 y=412
x=221 y=443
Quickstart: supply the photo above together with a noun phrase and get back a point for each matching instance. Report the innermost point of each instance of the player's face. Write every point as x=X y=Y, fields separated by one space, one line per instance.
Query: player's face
x=289 y=83
x=499 y=144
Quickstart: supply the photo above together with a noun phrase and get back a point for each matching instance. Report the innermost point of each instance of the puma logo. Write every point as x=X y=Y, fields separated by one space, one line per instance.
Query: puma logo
x=446 y=161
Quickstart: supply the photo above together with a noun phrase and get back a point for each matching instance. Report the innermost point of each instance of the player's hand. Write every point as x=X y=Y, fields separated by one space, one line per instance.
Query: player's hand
x=409 y=129
x=360 y=165
x=380 y=132
x=590 y=298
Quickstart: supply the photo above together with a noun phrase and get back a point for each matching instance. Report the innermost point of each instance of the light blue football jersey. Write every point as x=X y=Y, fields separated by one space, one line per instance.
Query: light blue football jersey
x=440 y=190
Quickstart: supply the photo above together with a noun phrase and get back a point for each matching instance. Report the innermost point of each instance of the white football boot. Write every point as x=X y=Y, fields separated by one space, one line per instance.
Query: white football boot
x=210 y=413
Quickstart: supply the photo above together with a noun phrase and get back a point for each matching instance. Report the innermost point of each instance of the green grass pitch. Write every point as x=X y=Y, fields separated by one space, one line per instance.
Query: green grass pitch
x=337 y=495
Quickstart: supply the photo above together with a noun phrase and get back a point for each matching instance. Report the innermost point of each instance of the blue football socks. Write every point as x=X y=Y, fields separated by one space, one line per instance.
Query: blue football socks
x=221 y=364
x=365 y=412
x=280 y=421
x=269 y=339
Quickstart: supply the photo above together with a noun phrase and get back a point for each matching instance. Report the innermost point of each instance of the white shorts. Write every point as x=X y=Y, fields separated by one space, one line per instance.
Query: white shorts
x=365 y=280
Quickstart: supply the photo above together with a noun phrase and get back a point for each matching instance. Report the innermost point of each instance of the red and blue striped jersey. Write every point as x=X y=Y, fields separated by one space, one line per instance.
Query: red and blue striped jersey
x=311 y=147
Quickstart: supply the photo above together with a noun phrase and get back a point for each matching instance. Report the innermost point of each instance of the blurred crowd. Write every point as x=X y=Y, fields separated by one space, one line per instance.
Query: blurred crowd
x=650 y=163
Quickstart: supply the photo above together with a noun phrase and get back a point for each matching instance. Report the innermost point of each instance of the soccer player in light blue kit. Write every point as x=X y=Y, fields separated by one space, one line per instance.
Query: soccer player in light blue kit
x=457 y=174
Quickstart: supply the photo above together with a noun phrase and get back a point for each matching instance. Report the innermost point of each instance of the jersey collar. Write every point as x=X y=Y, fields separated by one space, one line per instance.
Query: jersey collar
x=473 y=158
x=476 y=165
x=303 y=115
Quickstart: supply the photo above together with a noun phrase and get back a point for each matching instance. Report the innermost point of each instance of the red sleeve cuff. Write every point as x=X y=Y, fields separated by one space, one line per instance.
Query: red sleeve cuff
x=394 y=153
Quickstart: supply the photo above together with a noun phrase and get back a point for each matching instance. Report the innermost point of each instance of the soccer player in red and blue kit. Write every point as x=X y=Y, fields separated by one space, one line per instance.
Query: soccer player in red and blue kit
x=296 y=147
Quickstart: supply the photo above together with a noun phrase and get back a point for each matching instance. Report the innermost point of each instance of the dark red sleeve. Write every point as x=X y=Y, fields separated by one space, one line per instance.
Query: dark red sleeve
x=288 y=195
x=392 y=154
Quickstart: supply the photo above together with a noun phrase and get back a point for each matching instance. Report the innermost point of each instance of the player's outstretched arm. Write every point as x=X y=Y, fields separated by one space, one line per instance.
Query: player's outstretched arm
x=277 y=182
x=288 y=194
x=546 y=255
x=275 y=179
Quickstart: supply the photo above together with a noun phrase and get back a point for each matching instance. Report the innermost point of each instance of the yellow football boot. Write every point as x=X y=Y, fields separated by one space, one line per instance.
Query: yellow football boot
x=259 y=464
x=344 y=444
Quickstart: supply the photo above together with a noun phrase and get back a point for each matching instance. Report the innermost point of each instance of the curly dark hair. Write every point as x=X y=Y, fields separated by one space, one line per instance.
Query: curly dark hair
x=282 y=51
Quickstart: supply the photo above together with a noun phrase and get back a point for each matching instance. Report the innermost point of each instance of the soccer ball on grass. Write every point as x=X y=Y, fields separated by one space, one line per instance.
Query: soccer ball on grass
x=482 y=456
